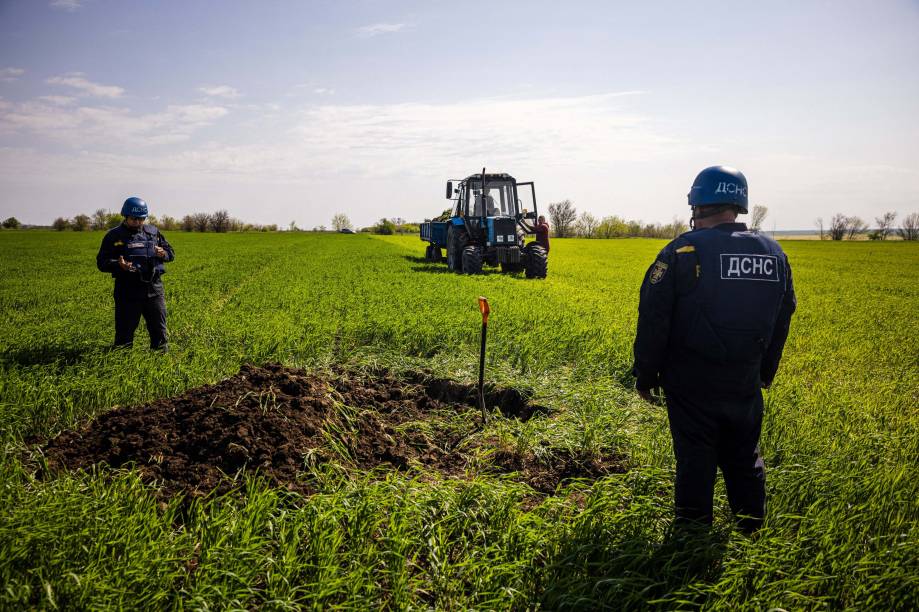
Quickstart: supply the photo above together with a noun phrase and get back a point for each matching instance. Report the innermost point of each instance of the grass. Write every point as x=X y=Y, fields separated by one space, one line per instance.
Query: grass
x=840 y=436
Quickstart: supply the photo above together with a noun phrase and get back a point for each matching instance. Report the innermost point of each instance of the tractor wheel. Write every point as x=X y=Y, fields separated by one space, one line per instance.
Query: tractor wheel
x=537 y=262
x=456 y=242
x=472 y=260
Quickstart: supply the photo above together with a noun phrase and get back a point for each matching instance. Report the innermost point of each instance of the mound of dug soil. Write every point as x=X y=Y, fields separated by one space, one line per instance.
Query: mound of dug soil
x=277 y=420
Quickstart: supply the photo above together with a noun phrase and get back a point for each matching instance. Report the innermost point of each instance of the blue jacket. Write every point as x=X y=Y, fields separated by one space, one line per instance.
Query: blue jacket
x=714 y=313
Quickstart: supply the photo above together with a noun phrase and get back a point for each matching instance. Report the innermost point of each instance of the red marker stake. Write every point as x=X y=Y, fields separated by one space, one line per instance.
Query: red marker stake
x=484 y=309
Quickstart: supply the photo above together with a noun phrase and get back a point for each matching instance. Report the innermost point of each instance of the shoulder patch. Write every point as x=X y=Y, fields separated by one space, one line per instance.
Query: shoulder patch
x=686 y=249
x=658 y=270
x=119 y=243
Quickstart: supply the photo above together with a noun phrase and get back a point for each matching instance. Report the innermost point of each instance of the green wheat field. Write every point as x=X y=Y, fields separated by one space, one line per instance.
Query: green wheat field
x=840 y=438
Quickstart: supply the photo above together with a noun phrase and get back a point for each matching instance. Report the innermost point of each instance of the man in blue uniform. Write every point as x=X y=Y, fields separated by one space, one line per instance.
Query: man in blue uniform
x=133 y=253
x=713 y=317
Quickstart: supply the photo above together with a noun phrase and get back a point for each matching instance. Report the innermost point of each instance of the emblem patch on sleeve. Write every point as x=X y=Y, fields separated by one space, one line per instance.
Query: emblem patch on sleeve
x=658 y=270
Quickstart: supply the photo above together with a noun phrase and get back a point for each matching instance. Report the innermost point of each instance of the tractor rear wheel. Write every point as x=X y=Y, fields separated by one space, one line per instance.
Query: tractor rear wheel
x=472 y=260
x=537 y=261
x=456 y=242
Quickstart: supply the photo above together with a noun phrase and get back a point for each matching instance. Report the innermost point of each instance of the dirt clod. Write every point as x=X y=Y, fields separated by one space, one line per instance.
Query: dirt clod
x=280 y=421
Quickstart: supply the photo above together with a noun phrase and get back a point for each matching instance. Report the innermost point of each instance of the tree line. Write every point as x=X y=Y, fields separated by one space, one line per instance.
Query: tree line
x=103 y=219
x=849 y=227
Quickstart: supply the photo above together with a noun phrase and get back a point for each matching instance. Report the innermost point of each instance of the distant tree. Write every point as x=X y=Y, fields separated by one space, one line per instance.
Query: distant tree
x=219 y=221
x=677 y=227
x=200 y=221
x=838 y=225
x=11 y=223
x=612 y=227
x=909 y=229
x=293 y=227
x=188 y=223
x=100 y=219
x=586 y=225
x=563 y=215
x=819 y=223
x=60 y=224
x=855 y=226
x=168 y=223
x=885 y=224
x=384 y=226
x=341 y=221
x=757 y=217
x=81 y=223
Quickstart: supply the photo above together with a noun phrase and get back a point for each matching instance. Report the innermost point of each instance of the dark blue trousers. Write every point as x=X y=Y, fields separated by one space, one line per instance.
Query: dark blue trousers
x=132 y=303
x=718 y=433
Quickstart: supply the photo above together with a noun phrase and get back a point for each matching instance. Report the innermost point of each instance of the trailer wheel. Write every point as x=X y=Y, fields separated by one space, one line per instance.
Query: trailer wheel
x=472 y=260
x=432 y=253
x=537 y=261
x=456 y=242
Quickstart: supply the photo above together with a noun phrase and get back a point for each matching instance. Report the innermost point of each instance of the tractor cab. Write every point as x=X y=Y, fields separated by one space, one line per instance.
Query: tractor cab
x=494 y=209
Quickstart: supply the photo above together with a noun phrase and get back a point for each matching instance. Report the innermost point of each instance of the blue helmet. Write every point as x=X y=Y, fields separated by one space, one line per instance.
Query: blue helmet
x=719 y=185
x=134 y=207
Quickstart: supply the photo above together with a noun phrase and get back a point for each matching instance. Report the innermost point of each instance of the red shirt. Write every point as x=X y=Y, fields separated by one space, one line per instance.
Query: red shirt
x=542 y=236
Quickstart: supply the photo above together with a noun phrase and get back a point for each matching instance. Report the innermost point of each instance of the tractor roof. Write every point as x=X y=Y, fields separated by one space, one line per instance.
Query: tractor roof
x=491 y=176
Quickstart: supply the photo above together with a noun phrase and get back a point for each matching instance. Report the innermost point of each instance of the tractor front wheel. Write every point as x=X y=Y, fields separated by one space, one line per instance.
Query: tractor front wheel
x=472 y=260
x=537 y=261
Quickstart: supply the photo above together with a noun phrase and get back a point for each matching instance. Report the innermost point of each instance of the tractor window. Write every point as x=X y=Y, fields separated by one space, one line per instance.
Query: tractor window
x=498 y=200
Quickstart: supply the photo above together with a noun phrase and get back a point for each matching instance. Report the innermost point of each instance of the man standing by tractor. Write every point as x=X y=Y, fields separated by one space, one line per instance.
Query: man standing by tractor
x=713 y=317
x=542 y=233
x=133 y=253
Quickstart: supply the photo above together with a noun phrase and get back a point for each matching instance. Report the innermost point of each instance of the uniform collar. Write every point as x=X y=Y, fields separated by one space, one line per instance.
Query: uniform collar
x=731 y=227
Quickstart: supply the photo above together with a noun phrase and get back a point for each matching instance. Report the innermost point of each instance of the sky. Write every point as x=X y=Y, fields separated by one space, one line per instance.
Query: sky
x=294 y=110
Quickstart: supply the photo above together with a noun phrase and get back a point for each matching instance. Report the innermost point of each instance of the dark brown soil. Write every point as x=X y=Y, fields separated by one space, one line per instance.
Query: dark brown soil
x=280 y=421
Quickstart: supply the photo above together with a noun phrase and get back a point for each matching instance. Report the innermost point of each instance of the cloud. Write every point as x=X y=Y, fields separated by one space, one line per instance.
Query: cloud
x=58 y=100
x=324 y=91
x=369 y=31
x=67 y=5
x=78 y=81
x=366 y=141
x=220 y=91
x=11 y=74
x=106 y=127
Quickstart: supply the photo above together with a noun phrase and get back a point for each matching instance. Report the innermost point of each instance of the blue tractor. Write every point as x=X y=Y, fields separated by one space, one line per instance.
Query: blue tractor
x=491 y=217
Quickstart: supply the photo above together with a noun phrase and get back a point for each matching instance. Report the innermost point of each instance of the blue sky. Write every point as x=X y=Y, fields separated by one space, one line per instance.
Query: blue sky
x=296 y=110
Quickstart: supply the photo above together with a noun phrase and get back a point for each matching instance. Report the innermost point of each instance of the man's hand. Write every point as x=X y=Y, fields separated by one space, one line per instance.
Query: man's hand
x=127 y=266
x=160 y=252
x=646 y=395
